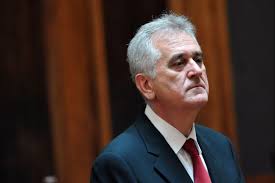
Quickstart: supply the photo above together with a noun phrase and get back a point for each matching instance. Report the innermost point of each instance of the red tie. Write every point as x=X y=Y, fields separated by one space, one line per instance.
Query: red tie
x=200 y=173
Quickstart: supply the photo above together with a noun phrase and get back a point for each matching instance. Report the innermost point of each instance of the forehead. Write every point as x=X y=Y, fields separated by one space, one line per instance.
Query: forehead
x=173 y=42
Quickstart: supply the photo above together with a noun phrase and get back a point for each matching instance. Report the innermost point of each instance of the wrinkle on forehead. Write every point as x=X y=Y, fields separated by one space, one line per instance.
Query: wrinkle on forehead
x=171 y=41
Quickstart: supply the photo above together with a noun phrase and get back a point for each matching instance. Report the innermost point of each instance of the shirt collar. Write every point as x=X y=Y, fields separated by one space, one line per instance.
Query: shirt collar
x=174 y=137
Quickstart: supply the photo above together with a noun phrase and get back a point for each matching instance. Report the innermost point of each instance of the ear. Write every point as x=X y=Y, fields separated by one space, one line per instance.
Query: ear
x=144 y=85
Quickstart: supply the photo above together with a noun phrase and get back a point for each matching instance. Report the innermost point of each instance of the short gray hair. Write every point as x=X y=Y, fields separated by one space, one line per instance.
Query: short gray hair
x=141 y=54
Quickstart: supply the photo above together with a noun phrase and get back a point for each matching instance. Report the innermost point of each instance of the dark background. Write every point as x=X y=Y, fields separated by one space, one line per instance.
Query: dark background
x=26 y=144
x=252 y=44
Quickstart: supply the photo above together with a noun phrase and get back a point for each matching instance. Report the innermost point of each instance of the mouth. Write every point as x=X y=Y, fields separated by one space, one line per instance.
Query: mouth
x=196 y=86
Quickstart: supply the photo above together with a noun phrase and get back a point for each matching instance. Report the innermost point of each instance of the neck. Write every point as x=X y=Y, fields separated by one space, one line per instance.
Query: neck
x=181 y=119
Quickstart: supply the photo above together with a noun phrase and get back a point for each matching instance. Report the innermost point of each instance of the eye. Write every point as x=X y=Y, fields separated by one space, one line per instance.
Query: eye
x=198 y=60
x=178 y=63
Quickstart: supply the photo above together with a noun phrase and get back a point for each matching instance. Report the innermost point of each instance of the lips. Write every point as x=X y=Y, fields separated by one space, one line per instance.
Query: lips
x=196 y=85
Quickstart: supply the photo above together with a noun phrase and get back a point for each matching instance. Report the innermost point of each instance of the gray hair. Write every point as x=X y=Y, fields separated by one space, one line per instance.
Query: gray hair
x=141 y=53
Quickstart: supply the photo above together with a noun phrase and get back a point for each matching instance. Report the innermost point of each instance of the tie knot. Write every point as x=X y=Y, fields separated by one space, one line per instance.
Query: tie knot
x=190 y=147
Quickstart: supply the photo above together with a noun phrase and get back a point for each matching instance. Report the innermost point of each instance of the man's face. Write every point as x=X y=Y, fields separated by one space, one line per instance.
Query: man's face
x=181 y=79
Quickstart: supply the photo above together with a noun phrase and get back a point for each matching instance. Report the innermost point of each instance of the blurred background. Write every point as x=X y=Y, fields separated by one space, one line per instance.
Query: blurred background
x=66 y=89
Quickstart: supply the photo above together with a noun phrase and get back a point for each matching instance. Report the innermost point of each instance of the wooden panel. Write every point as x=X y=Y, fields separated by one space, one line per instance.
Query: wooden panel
x=100 y=71
x=78 y=92
x=210 y=20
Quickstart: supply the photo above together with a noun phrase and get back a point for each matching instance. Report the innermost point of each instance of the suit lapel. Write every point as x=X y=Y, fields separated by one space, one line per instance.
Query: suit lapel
x=167 y=163
x=171 y=168
x=214 y=165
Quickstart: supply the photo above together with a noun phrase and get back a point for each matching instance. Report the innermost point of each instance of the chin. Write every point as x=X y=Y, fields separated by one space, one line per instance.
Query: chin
x=198 y=101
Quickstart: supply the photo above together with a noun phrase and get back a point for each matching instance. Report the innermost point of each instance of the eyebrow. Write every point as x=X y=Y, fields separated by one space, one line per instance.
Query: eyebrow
x=181 y=55
x=198 y=54
x=176 y=57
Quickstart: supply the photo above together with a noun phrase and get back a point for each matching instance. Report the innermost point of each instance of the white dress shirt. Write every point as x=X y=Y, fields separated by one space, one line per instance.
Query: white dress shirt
x=175 y=139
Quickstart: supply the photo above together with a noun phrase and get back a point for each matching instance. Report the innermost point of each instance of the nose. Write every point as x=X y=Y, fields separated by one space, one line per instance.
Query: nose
x=195 y=69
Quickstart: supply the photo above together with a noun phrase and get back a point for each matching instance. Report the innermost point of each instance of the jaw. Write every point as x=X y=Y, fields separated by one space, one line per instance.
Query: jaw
x=178 y=104
x=196 y=101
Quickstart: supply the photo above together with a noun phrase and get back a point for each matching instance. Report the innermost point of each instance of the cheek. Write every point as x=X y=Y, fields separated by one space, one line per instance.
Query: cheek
x=178 y=86
x=170 y=83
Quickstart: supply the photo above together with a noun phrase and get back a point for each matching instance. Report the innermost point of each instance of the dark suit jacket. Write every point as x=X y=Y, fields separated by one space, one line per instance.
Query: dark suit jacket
x=141 y=154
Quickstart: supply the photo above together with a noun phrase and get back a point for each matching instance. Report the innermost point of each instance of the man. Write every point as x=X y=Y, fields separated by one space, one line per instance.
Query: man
x=164 y=144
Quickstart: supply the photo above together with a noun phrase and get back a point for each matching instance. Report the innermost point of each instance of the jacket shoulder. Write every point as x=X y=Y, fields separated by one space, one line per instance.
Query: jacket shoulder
x=116 y=162
x=125 y=144
x=212 y=138
x=209 y=133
